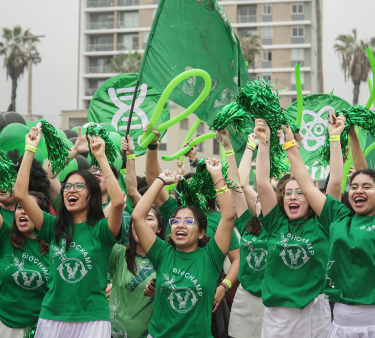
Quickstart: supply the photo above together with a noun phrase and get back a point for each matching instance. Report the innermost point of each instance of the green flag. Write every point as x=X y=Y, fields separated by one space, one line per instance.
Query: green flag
x=111 y=103
x=194 y=34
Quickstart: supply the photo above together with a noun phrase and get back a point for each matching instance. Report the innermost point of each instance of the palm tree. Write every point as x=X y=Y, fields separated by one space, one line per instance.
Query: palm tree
x=126 y=63
x=354 y=59
x=250 y=48
x=15 y=54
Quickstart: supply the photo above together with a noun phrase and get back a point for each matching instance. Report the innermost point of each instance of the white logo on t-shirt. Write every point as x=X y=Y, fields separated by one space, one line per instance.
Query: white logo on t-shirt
x=118 y=329
x=294 y=256
x=257 y=258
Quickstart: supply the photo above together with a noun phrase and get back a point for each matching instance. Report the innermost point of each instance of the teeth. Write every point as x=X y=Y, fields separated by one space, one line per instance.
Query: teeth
x=72 y=198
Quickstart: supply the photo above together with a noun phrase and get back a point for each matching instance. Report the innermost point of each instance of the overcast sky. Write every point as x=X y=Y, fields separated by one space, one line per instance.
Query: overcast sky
x=55 y=79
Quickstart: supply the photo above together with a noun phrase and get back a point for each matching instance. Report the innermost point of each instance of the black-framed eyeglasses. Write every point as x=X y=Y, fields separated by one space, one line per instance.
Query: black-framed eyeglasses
x=94 y=170
x=78 y=187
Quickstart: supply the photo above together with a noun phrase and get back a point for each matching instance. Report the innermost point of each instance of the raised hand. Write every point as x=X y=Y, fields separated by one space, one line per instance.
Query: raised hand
x=127 y=145
x=157 y=133
x=337 y=127
x=81 y=145
x=180 y=168
x=169 y=178
x=97 y=147
x=31 y=138
x=289 y=136
x=252 y=138
x=223 y=137
x=262 y=131
x=214 y=167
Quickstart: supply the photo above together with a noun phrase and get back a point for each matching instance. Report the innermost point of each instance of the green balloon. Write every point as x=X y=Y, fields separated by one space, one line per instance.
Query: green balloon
x=68 y=142
x=70 y=167
x=30 y=124
x=61 y=134
x=118 y=162
x=116 y=139
x=108 y=127
x=83 y=130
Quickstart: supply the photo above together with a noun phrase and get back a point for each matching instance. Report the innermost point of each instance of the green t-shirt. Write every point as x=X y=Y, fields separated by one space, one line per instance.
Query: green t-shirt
x=8 y=216
x=124 y=225
x=185 y=289
x=213 y=219
x=23 y=281
x=351 y=262
x=296 y=260
x=78 y=277
x=253 y=256
x=130 y=310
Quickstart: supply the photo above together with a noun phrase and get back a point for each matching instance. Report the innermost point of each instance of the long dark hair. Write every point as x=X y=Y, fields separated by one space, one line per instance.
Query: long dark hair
x=17 y=238
x=253 y=227
x=94 y=208
x=201 y=218
x=130 y=252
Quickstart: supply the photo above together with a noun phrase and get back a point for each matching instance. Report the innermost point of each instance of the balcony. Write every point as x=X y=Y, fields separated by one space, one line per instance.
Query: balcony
x=100 y=3
x=90 y=91
x=99 y=47
x=128 y=2
x=127 y=46
x=101 y=25
x=246 y=18
x=97 y=69
x=127 y=24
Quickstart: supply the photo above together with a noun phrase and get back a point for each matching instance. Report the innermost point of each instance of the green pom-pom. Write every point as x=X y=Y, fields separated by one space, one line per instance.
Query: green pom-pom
x=110 y=149
x=8 y=173
x=30 y=332
x=58 y=151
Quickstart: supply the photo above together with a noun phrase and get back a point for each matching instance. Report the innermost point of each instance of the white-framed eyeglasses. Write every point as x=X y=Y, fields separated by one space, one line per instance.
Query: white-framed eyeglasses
x=187 y=222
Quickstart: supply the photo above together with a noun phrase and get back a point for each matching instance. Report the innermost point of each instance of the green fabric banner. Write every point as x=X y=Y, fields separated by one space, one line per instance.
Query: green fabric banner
x=194 y=34
x=111 y=104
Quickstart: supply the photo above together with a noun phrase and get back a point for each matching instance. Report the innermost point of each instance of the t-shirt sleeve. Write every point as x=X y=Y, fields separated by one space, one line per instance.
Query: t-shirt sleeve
x=118 y=253
x=46 y=231
x=333 y=210
x=105 y=235
x=167 y=209
x=234 y=242
x=56 y=204
x=273 y=219
x=158 y=250
x=125 y=228
x=216 y=255
x=241 y=222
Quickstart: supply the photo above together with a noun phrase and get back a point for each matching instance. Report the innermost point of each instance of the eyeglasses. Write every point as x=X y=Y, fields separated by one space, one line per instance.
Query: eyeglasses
x=94 y=170
x=78 y=187
x=256 y=200
x=188 y=222
x=297 y=193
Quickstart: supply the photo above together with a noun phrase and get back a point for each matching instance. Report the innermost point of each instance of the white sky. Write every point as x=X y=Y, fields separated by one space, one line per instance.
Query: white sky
x=55 y=79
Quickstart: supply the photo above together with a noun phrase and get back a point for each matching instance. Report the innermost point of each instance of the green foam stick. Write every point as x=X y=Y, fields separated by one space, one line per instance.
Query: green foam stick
x=299 y=94
x=188 y=136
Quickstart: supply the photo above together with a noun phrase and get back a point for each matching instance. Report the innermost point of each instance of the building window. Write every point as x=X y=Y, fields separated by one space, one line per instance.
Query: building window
x=127 y=41
x=267 y=55
x=98 y=65
x=293 y=99
x=247 y=13
x=267 y=77
x=200 y=131
x=163 y=142
x=293 y=78
x=216 y=147
x=297 y=8
x=184 y=124
x=100 y=43
x=298 y=31
x=145 y=36
x=128 y=2
x=242 y=32
x=77 y=121
x=101 y=21
x=267 y=9
x=267 y=32
x=298 y=54
x=128 y=19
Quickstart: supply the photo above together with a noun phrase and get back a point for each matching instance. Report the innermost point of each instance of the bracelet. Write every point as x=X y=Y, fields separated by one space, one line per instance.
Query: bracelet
x=289 y=144
x=130 y=156
x=334 y=138
x=250 y=148
x=229 y=153
x=222 y=190
x=225 y=286
x=251 y=144
x=30 y=147
x=152 y=146
x=161 y=179
x=228 y=282
x=109 y=175
x=219 y=181
x=224 y=145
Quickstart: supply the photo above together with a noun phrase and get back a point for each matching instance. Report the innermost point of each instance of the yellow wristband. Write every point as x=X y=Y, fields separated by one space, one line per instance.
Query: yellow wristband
x=30 y=147
x=222 y=190
x=229 y=153
x=226 y=281
x=130 y=157
x=290 y=144
x=334 y=138
x=251 y=144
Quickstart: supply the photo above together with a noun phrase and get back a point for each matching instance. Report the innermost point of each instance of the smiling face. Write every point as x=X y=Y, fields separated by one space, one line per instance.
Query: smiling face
x=75 y=201
x=186 y=237
x=295 y=204
x=152 y=221
x=100 y=177
x=362 y=195
x=23 y=222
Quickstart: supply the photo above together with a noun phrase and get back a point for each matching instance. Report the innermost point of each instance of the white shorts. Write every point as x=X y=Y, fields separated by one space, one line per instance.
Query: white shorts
x=352 y=321
x=7 y=332
x=57 y=329
x=246 y=316
x=286 y=322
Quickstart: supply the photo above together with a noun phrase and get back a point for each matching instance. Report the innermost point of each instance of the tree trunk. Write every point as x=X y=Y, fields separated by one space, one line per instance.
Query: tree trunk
x=319 y=45
x=14 y=93
x=356 y=92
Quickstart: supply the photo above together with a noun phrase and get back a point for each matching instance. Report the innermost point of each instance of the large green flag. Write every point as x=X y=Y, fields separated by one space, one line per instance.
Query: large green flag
x=111 y=104
x=194 y=34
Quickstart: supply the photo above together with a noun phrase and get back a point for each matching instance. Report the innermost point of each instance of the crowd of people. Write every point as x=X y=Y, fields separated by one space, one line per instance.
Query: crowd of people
x=284 y=261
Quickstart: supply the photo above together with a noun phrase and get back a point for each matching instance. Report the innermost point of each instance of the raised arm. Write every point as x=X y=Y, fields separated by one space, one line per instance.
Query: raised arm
x=336 y=162
x=21 y=192
x=224 y=230
x=265 y=190
x=139 y=216
x=114 y=190
x=238 y=196
x=244 y=172
x=131 y=178
x=358 y=156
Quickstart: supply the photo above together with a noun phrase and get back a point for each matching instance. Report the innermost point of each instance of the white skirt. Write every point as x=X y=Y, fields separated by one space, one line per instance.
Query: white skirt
x=311 y=322
x=246 y=316
x=57 y=329
x=353 y=321
x=7 y=332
